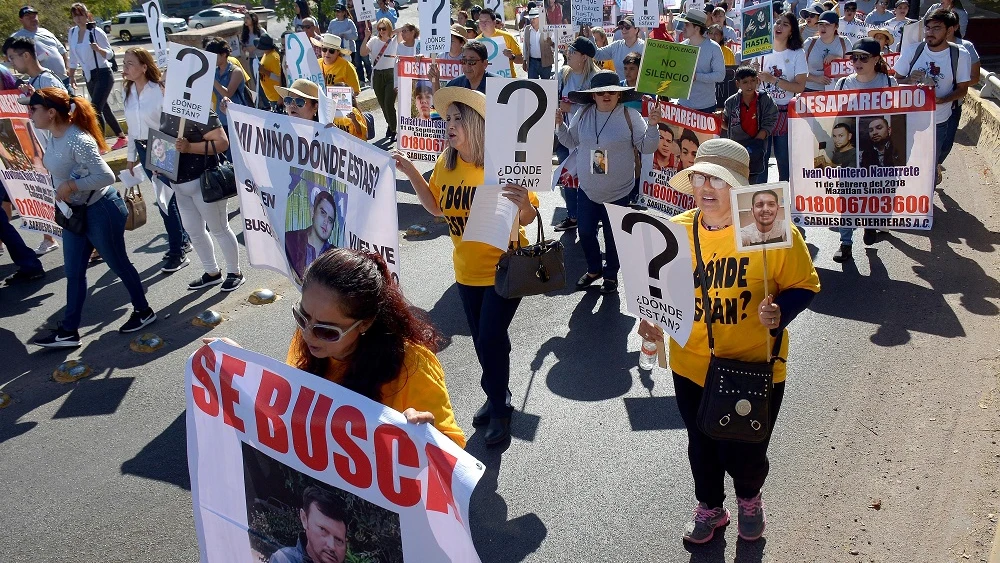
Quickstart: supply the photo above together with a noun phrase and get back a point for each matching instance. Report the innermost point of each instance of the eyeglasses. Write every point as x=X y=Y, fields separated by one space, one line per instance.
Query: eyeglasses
x=324 y=332
x=330 y=50
x=698 y=180
x=290 y=101
x=860 y=58
x=470 y=62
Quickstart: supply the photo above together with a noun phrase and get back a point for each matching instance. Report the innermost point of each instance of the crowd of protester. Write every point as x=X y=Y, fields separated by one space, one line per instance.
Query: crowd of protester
x=345 y=327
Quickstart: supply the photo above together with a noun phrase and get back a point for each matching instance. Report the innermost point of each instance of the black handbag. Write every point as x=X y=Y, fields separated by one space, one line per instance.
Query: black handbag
x=736 y=402
x=531 y=270
x=77 y=222
x=219 y=181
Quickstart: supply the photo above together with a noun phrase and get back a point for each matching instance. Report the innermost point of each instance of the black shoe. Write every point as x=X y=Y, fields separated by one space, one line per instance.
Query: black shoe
x=871 y=236
x=138 y=320
x=566 y=224
x=497 y=432
x=59 y=338
x=232 y=282
x=842 y=255
x=586 y=281
x=482 y=416
x=205 y=280
x=175 y=263
x=24 y=276
x=609 y=286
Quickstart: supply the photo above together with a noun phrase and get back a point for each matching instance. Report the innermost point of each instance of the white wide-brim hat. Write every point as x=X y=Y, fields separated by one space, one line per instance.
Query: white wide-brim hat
x=722 y=158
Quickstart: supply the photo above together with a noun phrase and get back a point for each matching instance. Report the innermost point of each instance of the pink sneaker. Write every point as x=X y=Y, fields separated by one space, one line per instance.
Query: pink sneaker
x=120 y=144
x=751 y=518
x=702 y=527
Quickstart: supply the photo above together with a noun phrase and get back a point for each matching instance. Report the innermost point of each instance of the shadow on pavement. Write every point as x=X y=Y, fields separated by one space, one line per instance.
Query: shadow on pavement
x=448 y=316
x=497 y=539
x=164 y=458
x=712 y=552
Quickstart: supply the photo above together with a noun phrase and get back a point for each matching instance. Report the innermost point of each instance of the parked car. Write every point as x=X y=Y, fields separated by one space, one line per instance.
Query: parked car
x=238 y=8
x=132 y=25
x=213 y=16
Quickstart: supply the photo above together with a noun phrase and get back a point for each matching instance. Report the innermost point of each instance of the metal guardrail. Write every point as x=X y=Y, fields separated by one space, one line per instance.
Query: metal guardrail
x=991 y=88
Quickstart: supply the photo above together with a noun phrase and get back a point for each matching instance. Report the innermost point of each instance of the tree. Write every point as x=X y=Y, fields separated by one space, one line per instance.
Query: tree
x=54 y=15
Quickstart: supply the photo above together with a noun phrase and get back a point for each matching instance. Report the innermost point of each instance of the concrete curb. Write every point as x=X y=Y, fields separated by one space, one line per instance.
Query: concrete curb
x=981 y=123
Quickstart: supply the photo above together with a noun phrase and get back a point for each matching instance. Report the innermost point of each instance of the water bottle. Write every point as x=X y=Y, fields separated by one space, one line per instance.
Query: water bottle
x=647 y=355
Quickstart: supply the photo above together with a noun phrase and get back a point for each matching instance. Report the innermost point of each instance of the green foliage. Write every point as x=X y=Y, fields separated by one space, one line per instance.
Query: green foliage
x=54 y=15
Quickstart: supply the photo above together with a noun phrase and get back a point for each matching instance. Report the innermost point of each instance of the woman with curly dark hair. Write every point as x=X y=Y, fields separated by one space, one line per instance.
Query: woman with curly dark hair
x=356 y=329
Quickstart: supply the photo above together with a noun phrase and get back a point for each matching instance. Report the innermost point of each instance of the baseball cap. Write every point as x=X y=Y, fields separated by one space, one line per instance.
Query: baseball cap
x=830 y=17
x=25 y=11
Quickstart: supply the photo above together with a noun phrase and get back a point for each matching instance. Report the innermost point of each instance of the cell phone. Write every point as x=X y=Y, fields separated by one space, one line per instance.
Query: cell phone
x=91 y=25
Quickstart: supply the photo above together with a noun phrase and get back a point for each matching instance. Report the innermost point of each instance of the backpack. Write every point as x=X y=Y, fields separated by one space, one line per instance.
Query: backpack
x=814 y=40
x=370 y=122
x=953 y=51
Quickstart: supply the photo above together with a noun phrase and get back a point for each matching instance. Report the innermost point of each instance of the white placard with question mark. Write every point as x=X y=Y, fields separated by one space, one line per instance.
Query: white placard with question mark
x=435 y=25
x=656 y=267
x=519 y=129
x=365 y=9
x=497 y=7
x=189 y=91
x=154 y=19
x=647 y=13
x=301 y=61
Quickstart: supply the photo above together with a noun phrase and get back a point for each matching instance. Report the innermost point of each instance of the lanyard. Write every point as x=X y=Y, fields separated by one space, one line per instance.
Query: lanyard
x=597 y=138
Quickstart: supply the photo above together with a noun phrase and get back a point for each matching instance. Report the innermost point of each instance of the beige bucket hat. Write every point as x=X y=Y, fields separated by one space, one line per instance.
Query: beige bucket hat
x=722 y=158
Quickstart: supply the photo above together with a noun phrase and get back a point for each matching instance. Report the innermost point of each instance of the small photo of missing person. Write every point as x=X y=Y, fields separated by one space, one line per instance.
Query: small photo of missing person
x=598 y=161
x=292 y=517
x=836 y=143
x=882 y=140
x=761 y=217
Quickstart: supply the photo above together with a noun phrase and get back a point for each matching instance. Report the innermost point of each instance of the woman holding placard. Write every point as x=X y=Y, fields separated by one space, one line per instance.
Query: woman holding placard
x=457 y=173
x=780 y=285
x=382 y=49
x=782 y=75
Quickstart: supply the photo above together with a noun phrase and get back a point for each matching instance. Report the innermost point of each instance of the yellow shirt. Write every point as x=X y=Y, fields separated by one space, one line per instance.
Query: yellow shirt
x=737 y=292
x=607 y=65
x=420 y=385
x=727 y=56
x=272 y=62
x=475 y=262
x=512 y=44
x=360 y=130
x=340 y=71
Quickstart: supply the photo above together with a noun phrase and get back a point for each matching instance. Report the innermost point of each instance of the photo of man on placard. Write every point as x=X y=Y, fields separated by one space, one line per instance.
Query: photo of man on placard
x=324 y=531
x=305 y=245
x=761 y=217
x=880 y=140
x=843 y=152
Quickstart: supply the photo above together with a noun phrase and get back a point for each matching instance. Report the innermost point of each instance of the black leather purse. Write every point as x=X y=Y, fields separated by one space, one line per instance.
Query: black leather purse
x=736 y=402
x=76 y=222
x=531 y=270
x=219 y=181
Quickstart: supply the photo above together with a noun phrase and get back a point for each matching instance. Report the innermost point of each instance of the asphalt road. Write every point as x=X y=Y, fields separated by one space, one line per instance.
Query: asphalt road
x=892 y=401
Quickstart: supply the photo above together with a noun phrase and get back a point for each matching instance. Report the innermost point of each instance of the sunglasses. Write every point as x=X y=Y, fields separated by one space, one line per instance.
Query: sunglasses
x=470 y=62
x=290 y=101
x=860 y=58
x=627 y=27
x=698 y=180
x=324 y=332
x=330 y=50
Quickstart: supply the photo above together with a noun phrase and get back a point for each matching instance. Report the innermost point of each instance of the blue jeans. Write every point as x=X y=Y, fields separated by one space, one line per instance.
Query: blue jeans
x=177 y=237
x=956 y=115
x=489 y=317
x=536 y=70
x=944 y=140
x=589 y=214
x=779 y=146
x=363 y=65
x=106 y=233
x=24 y=258
x=846 y=236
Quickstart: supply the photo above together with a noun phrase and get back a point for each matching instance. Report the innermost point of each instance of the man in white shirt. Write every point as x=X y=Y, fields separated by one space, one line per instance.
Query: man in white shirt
x=539 y=50
x=629 y=43
x=49 y=51
x=850 y=26
x=947 y=68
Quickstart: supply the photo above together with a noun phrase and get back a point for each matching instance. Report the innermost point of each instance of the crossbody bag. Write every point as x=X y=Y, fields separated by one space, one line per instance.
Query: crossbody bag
x=736 y=402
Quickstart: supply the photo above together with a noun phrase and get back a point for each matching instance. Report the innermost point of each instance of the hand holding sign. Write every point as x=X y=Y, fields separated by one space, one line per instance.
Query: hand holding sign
x=519 y=154
x=656 y=267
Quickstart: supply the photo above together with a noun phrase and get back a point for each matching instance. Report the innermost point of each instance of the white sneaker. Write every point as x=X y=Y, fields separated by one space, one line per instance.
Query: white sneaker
x=45 y=247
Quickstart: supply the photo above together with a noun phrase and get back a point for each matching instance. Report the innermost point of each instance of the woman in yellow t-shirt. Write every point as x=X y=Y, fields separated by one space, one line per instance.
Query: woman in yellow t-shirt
x=449 y=194
x=791 y=283
x=356 y=329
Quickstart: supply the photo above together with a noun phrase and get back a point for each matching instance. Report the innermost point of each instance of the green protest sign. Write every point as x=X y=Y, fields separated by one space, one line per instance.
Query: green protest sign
x=758 y=26
x=667 y=69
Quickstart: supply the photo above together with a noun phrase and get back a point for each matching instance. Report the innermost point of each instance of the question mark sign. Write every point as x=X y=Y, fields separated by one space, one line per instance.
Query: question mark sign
x=661 y=259
x=543 y=104
x=302 y=51
x=149 y=13
x=434 y=17
x=197 y=74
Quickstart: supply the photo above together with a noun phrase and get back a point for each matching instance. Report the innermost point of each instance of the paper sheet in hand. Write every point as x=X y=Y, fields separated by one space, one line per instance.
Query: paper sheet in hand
x=491 y=218
x=133 y=178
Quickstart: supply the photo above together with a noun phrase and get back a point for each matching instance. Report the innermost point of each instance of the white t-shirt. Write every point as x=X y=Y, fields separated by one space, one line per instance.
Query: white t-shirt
x=81 y=55
x=786 y=65
x=816 y=51
x=388 y=58
x=937 y=69
x=875 y=19
x=48 y=50
x=853 y=31
x=895 y=27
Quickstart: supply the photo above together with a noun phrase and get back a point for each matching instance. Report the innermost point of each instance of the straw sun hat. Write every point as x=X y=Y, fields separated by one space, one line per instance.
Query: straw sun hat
x=451 y=94
x=302 y=87
x=874 y=33
x=330 y=41
x=722 y=158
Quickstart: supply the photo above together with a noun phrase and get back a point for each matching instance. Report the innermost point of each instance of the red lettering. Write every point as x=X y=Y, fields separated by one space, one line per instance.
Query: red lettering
x=409 y=489
x=361 y=475
x=205 y=396
x=273 y=398
x=230 y=366
x=440 y=467
x=316 y=459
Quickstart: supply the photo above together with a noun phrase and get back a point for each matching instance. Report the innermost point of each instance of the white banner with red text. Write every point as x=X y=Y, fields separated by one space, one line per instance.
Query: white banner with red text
x=863 y=158
x=421 y=127
x=25 y=178
x=284 y=461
